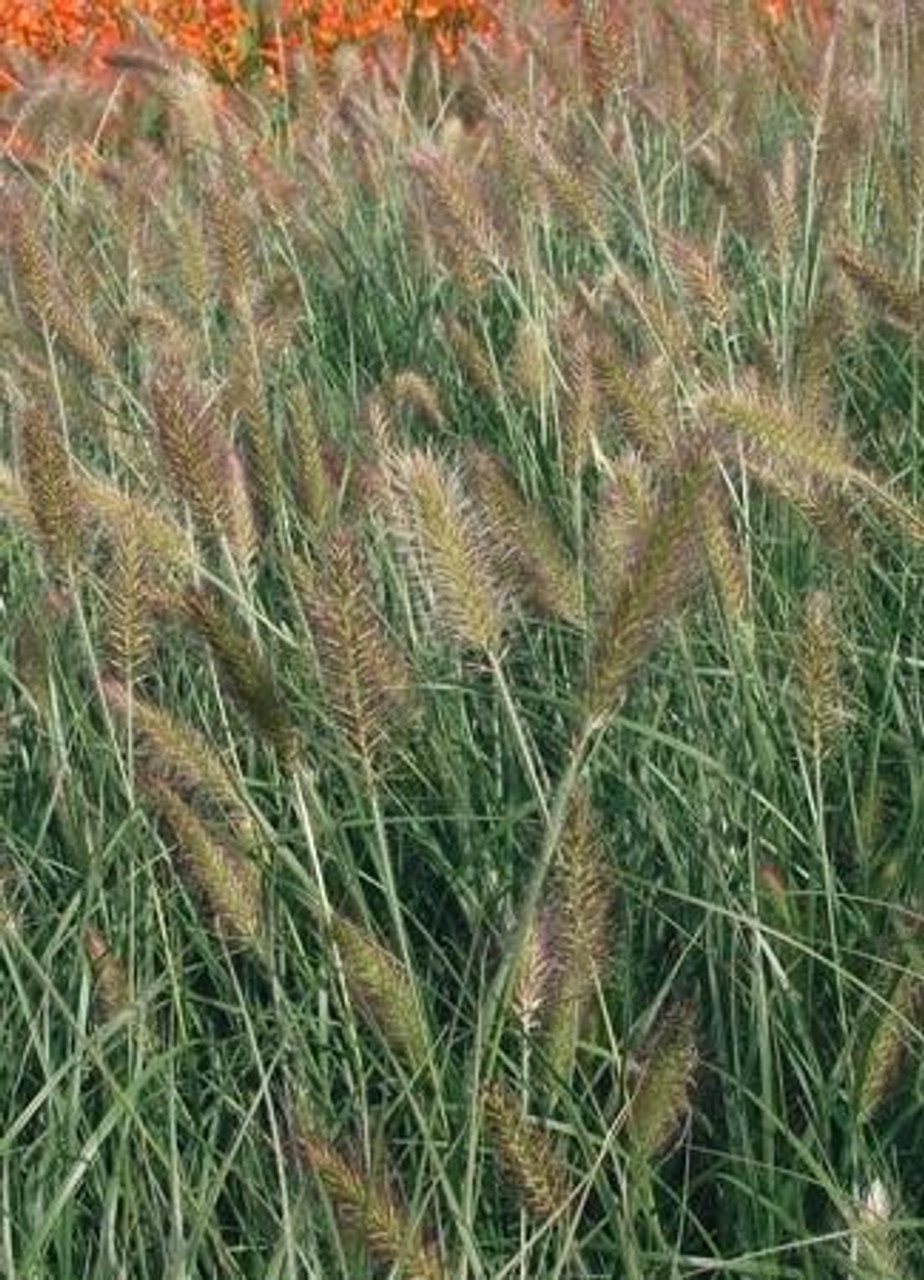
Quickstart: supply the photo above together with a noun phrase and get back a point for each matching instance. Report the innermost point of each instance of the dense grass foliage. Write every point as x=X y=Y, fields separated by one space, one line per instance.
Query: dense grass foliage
x=461 y=681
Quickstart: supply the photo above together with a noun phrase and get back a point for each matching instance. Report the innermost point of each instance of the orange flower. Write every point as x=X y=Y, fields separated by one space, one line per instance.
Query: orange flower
x=232 y=37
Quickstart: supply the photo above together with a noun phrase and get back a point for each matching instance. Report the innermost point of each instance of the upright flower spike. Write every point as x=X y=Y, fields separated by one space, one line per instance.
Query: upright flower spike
x=459 y=220
x=228 y=884
x=536 y=978
x=530 y=1163
x=123 y=515
x=660 y=1097
x=622 y=524
x=314 y=490
x=726 y=563
x=179 y=755
x=243 y=670
x=529 y=364
x=46 y=294
x=665 y=574
x=527 y=547
x=193 y=445
x=580 y=901
x=876 y=1243
x=785 y=436
x=367 y=1207
x=111 y=988
x=887 y=1050
x=130 y=606
x=472 y=356
x=365 y=675
x=382 y=988
x=901 y=302
x=454 y=563
x=410 y=390
x=581 y=408
x=49 y=483
x=232 y=242
x=248 y=395
x=821 y=706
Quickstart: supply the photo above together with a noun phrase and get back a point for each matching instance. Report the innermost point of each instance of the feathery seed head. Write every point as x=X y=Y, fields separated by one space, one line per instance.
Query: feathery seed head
x=626 y=509
x=820 y=698
x=531 y=367
x=726 y=564
x=194 y=446
x=410 y=390
x=537 y=970
x=783 y=435
x=527 y=1158
x=666 y=572
x=366 y=676
x=901 y=303
x=474 y=359
x=228 y=883
x=44 y=290
x=50 y=485
x=130 y=604
x=314 y=490
x=112 y=989
x=526 y=546
x=581 y=409
x=382 y=988
x=451 y=551
x=176 y=753
x=243 y=670
x=247 y=396
x=660 y=1099
x=886 y=1055
x=243 y=537
x=366 y=1206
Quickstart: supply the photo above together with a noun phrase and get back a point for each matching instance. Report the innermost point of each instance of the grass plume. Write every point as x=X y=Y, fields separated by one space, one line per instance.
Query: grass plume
x=366 y=678
x=886 y=1052
x=194 y=445
x=177 y=754
x=580 y=901
x=455 y=566
x=660 y=1096
x=227 y=882
x=381 y=987
x=529 y=1162
x=111 y=987
x=663 y=579
x=243 y=670
x=49 y=483
x=820 y=696
x=367 y=1207
x=527 y=546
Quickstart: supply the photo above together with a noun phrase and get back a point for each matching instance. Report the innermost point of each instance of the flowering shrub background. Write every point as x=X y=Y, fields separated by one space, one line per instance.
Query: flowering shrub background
x=233 y=38
x=226 y=35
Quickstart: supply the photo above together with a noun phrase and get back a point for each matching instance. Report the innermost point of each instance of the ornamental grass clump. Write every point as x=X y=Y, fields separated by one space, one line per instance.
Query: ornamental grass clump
x=460 y=582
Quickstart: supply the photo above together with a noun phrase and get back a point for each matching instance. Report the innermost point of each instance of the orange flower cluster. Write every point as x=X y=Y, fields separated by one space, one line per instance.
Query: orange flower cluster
x=234 y=37
x=818 y=13
x=230 y=36
x=214 y=31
